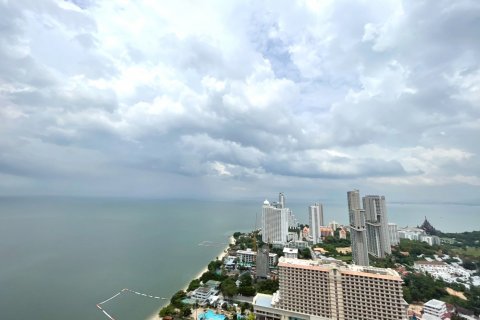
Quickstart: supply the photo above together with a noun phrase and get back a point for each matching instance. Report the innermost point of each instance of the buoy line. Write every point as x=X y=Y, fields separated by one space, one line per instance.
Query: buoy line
x=99 y=305
x=207 y=243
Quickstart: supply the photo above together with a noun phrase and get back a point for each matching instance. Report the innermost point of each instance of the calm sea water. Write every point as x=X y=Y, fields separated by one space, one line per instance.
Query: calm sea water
x=59 y=257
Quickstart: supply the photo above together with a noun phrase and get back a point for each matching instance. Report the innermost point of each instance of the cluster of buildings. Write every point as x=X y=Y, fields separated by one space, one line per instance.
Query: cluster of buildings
x=419 y=235
x=448 y=272
x=277 y=220
x=327 y=288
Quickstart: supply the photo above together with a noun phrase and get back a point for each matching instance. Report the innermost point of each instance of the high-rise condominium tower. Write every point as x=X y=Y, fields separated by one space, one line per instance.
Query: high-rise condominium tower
x=274 y=223
x=358 y=232
x=353 y=198
x=315 y=215
x=281 y=200
x=378 y=236
x=315 y=290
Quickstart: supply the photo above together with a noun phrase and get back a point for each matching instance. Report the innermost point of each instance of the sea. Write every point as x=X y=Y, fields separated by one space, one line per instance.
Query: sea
x=60 y=257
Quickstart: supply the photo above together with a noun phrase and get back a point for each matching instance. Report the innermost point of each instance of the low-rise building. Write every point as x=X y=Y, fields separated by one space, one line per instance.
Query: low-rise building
x=431 y=240
x=344 y=250
x=447 y=272
x=410 y=233
x=290 y=253
x=229 y=263
x=434 y=310
x=204 y=293
x=300 y=244
x=249 y=257
x=326 y=232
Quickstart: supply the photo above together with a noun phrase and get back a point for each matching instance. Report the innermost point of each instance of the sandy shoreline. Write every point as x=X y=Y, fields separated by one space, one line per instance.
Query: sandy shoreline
x=221 y=255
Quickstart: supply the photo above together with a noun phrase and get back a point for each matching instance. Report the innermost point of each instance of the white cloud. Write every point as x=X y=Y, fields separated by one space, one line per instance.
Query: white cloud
x=292 y=93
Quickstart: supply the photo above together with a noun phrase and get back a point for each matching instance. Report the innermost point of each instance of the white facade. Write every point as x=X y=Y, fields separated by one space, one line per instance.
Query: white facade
x=291 y=253
x=410 y=233
x=315 y=215
x=449 y=273
x=204 y=293
x=434 y=309
x=281 y=200
x=292 y=220
x=250 y=256
x=393 y=232
x=274 y=223
x=334 y=225
x=431 y=240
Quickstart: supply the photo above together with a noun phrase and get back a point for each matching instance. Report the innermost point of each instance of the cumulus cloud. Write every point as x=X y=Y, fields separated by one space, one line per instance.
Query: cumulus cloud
x=237 y=98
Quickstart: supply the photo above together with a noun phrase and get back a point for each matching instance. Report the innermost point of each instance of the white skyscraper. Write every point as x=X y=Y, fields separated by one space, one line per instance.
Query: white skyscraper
x=274 y=223
x=281 y=200
x=315 y=214
x=292 y=220
x=358 y=232
x=378 y=237
x=393 y=232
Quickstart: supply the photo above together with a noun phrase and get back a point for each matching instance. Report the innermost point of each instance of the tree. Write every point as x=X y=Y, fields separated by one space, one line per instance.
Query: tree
x=186 y=311
x=251 y=316
x=237 y=234
x=245 y=279
x=177 y=298
x=246 y=287
x=467 y=264
x=248 y=291
x=194 y=284
x=167 y=311
x=305 y=254
x=228 y=287
x=267 y=286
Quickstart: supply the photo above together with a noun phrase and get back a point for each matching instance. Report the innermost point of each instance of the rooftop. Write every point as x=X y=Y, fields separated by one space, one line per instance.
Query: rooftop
x=263 y=300
x=434 y=303
x=433 y=262
x=290 y=250
x=329 y=264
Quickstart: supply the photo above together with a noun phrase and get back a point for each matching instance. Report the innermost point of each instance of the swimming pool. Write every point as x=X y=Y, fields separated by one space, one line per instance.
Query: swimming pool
x=210 y=315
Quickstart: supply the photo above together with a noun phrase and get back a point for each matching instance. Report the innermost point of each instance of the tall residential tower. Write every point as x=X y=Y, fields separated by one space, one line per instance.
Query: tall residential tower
x=358 y=232
x=315 y=215
x=378 y=236
x=274 y=223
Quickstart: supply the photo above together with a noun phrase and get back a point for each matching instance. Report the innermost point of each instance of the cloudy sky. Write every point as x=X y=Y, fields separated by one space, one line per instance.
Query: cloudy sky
x=240 y=99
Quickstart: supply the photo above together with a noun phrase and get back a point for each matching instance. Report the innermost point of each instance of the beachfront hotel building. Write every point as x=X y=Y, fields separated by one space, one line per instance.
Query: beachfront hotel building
x=274 y=223
x=358 y=229
x=378 y=237
x=250 y=257
x=319 y=290
x=315 y=215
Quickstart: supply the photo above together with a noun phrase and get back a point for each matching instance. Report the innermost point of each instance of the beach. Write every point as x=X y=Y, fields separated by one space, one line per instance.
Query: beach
x=221 y=255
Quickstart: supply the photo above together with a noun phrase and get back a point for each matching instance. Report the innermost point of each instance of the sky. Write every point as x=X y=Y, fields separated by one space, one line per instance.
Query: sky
x=241 y=99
